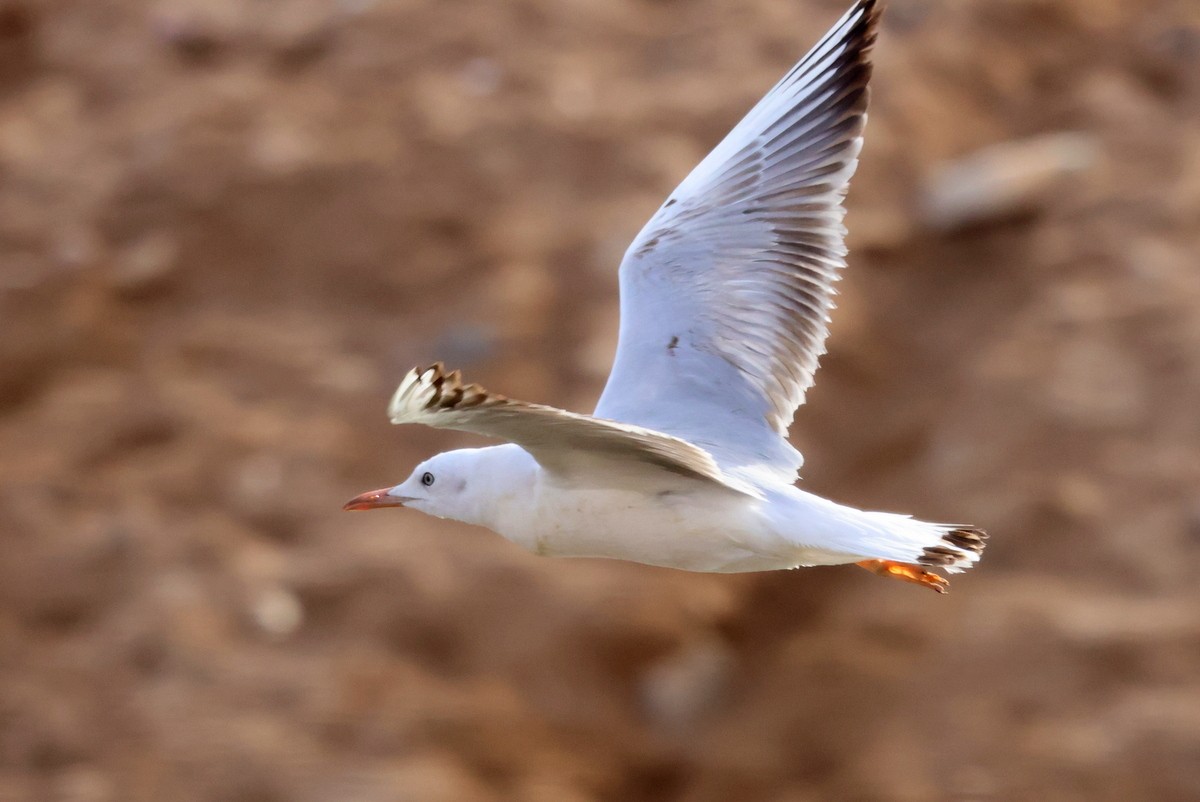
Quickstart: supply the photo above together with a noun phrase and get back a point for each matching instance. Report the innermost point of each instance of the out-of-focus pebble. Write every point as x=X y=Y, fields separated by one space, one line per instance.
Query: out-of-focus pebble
x=680 y=689
x=1079 y=498
x=302 y=35
x=193 y=35
x=1003 y=180
x=481 y=76
x=146 y=266
x=278 y=612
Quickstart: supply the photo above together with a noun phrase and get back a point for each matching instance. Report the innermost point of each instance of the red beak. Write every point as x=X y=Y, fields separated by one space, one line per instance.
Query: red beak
x=373 y=500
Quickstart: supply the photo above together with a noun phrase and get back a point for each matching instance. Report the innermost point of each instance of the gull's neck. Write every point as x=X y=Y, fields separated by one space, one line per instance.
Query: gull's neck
x=504 y=481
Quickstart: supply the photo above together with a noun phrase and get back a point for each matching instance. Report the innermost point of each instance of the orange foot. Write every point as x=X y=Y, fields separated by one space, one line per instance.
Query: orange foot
x=909 y=573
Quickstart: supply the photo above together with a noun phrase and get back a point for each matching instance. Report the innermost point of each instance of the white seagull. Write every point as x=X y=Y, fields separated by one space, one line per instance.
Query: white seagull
x=725 y=296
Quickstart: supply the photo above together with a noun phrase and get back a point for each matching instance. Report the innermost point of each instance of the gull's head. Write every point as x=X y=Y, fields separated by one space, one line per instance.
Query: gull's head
x=440 y=486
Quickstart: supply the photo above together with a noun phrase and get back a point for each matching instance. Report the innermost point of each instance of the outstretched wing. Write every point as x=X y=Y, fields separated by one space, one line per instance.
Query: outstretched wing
x=725 y=293
x=562 y=442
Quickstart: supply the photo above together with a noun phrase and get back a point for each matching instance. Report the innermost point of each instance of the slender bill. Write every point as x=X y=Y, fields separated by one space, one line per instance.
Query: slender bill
x=373 y=500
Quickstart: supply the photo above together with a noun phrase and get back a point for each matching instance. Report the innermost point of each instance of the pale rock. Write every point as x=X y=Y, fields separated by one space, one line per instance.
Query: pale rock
x=146 y=266
x=76 y=245
x=1079 y=498
x=277 y=612
x=680 y=689
x=283 y=147
x=1003 y=180
x=481 y=77
x=573 y=94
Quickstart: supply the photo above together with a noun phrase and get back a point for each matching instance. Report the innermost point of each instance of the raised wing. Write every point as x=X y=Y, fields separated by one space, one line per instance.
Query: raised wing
x=725 y=293
x=562 y=442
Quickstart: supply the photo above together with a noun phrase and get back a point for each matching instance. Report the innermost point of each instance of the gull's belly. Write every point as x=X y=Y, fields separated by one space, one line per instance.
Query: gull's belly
x=696 y=531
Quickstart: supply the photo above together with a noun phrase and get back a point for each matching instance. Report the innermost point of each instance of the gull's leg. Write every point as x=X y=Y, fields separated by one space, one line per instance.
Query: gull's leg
x=909 y=573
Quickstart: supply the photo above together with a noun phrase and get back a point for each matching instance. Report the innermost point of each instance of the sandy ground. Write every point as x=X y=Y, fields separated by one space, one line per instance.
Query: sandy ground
x=227 y=229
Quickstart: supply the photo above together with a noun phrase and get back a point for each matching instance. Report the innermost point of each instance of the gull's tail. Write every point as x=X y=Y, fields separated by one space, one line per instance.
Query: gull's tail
x=831 y=533
x=949 y=547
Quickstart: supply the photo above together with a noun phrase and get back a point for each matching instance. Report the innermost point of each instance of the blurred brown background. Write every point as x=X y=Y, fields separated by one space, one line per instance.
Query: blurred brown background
x=227 y=228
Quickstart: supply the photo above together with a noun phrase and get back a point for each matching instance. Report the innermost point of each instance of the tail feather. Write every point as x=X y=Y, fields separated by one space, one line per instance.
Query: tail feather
x=832 y=533
x=950 y=547
x=960 y=548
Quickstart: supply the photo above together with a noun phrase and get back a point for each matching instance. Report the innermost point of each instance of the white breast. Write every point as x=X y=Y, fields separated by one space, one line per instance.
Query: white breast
x=696 y=531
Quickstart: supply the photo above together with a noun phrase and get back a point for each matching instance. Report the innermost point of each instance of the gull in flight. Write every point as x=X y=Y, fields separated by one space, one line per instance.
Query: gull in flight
x=725 y=296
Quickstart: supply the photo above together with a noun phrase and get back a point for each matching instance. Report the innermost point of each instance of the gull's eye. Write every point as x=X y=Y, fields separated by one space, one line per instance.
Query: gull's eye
x=427 y=478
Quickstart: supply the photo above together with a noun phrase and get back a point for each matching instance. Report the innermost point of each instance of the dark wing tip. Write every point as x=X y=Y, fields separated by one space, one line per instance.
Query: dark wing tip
x=871 y=10
x=865 y=33
x=859 y=39
x=450 y=392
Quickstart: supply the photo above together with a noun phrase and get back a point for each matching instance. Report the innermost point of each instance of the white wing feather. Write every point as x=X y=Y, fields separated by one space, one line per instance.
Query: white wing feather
x=725 y=293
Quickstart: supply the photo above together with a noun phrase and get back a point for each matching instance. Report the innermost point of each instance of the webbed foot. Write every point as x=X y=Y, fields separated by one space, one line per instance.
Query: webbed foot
x=908 y=573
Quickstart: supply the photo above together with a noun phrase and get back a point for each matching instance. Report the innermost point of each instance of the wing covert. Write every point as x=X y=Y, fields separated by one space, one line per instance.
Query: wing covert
x=562 y=442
